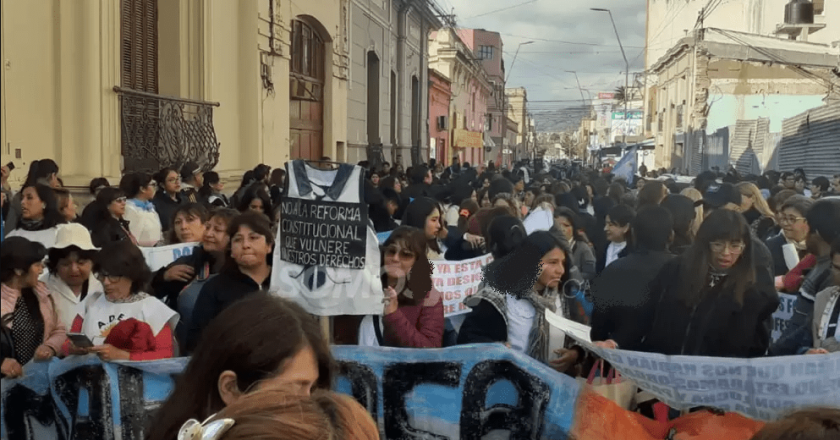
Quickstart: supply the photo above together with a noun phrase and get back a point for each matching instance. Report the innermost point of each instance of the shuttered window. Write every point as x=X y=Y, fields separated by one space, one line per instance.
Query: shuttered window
x=139 y=48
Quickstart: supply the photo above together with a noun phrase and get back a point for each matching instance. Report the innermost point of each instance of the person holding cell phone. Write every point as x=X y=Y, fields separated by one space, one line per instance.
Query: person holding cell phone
x=122 y=321
x=30 y=322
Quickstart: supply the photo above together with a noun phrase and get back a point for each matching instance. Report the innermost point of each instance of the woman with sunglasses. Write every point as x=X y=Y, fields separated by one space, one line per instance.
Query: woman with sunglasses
x=707 y=302
x=112 y=226
x=122 y=321
x=413 y=311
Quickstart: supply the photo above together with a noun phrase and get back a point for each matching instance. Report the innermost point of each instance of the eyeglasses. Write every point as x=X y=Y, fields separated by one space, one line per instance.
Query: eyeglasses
x=106 y=276
x=789 y=220
x=404 y=254
x=120 y=199
x=173 y=180
x=721 y=246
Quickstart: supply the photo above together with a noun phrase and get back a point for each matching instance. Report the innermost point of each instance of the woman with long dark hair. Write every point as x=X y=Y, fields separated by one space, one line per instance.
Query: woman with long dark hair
x=684 y=214
x=568 y=224
x=168 y=198
x=247 y=270
x=425 y=214
x=413 y=314
x=41 y=172
x=210 y=192
x=707 y=301
x=112 y=226
x=256 y=199
x=260 y=342
x=37 y=331
x=39 y=215
x=517 y=289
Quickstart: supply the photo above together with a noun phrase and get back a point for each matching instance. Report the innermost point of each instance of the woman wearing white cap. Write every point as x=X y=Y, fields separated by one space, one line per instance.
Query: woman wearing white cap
x=70 y=265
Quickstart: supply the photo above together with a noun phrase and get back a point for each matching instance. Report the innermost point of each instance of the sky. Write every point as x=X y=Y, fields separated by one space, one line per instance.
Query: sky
x=566 y=35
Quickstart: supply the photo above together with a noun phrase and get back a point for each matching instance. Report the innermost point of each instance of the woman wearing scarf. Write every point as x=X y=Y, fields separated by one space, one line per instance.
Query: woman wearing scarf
x=521 y=283
x=39 y=215
x=41 y=172
x=140 y=213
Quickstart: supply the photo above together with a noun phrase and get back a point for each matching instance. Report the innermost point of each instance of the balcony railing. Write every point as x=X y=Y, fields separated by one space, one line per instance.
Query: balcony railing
x=160 y=131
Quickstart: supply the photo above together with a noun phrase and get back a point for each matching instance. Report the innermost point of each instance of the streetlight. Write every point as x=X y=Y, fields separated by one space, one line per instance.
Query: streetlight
x=510 y=70
x=626 y=71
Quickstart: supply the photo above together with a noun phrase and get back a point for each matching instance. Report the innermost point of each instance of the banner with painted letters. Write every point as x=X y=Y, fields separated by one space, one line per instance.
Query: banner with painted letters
x=162 y=256
x=456 y=393
x=760 y=388
x=783 y=315
x=457 y=280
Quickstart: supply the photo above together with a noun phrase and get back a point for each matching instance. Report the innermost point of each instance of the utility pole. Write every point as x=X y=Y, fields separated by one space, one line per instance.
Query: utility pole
x=626 y=72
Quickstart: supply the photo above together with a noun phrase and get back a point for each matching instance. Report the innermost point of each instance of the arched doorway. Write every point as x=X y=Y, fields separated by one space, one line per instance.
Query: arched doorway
x=306 y=92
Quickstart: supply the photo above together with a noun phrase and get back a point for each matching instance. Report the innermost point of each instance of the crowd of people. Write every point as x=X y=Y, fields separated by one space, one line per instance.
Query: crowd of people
x=651 y=265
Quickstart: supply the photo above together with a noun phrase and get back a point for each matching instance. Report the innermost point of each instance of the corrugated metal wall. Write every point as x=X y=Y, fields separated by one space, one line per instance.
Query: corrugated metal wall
x=716 y=149
x=811 y=140
x=748 y=143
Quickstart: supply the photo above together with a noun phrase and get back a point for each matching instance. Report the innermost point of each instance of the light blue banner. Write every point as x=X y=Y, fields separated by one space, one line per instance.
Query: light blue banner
x=463 y=392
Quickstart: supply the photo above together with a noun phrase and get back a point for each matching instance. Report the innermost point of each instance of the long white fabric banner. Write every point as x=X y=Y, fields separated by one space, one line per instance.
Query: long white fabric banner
x=761 y=388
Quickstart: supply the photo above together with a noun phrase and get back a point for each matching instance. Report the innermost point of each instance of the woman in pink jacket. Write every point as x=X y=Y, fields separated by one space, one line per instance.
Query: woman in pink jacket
x=28 y=313
x=413 y=314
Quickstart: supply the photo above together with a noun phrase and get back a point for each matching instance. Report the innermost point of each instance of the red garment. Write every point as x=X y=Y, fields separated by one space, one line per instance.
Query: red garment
x=131 y=335
x=793 y=280
x=416 y=326
x=161 y=349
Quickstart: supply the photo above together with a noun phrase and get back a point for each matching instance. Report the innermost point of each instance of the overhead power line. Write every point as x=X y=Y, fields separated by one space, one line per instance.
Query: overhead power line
x=502 y=9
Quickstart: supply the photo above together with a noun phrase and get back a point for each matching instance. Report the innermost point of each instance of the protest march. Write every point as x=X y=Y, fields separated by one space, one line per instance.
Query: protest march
x=322 y=299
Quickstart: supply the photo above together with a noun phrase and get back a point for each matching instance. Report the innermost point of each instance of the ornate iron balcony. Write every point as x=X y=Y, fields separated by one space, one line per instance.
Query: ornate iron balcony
x=160 y=131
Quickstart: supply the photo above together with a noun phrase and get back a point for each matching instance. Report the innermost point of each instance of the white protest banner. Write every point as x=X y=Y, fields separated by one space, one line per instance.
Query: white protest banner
x=457 y=280
x=761 y=388
x=783 y=315
x=162 y=256
x=538 y=220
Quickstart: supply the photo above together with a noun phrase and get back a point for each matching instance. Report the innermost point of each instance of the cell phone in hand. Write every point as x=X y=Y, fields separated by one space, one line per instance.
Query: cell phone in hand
x=80 y=340
x=10 y=166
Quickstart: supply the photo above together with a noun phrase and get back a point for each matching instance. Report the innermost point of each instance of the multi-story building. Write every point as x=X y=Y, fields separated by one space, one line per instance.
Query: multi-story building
x=489 y=48
x=471 y=90
x=389 y=83
x=139 y=84
x=440 y=97
x=517 y=109
x=669 y=21
x=715 y=81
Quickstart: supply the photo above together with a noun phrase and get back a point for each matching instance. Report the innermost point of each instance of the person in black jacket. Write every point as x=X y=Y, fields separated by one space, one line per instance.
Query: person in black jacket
x=623 y=287
x=168 y=198
x=247 y=270
x=708 y=302
x=112 y=227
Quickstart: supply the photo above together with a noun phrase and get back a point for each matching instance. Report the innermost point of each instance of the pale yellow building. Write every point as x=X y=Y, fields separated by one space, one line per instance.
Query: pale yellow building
x=227 y=83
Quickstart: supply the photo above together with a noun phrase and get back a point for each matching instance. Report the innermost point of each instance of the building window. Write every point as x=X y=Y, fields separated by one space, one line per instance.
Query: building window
x=139 y=51
x=307 y=51
x=485 y=52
